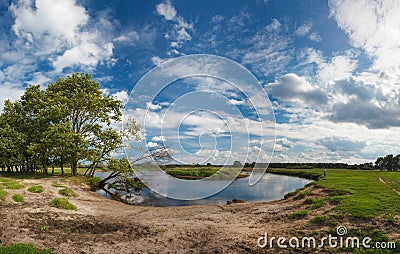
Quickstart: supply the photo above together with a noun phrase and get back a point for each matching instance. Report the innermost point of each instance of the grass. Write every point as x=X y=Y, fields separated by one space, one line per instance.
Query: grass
x=298 y=215
x=360 y=193
x=10 y=184
x=3 y=195
x=21 y=248
x=67 y=192
x=202 y=172
x=57 y=185
x=36 y=189
x=18 y=198
x=62 y=203
x=319 y=220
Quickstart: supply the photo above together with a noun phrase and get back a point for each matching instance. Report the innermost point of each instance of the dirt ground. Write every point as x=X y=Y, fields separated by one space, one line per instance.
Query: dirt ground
x=106 y=226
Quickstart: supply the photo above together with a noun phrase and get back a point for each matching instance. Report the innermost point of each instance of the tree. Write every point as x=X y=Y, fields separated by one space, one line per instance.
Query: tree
x=79 y=101
x=389 y=163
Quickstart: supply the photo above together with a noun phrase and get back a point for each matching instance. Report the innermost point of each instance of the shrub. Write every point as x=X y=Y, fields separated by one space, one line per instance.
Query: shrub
x=18 y=198
x=36 y=189
x=62 y=203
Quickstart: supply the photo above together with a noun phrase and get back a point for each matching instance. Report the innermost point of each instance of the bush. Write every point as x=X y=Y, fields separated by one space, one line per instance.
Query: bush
x=299 y=214
x=18 y=198
x=36 y=189
x=67 y=192
x=62 y=203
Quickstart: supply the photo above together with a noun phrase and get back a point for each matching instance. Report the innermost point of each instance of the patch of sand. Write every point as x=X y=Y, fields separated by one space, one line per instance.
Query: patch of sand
x=101 y=225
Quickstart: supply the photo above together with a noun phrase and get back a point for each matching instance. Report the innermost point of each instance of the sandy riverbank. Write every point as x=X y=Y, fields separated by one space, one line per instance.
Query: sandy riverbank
x=106 y=226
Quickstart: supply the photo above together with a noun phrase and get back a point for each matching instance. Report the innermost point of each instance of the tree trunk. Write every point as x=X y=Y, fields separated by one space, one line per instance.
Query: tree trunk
x=74 y=167
x=62 y=165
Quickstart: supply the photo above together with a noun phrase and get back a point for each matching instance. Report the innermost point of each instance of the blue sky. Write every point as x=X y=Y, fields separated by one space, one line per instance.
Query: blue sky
x=330 y=68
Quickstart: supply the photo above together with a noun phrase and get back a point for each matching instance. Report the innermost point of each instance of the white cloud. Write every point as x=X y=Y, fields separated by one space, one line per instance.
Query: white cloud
x=122 y=96
x=373 y=26
x=45 y=19
x=179 y=33
x=158 y=139
x=74 y=39
x=152 y=106
x=10 y=92
x=340 y=67
x=295 y=89
x=315 y=37
x=158 y=60
x=303 y=29
x=151 y=144
x=166 y=10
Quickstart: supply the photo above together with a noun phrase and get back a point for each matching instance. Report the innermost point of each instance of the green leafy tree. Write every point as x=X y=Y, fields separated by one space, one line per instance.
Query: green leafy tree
x=79 y=101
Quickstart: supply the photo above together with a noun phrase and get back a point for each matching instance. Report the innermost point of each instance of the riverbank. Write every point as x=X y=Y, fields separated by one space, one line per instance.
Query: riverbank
x=100 y=225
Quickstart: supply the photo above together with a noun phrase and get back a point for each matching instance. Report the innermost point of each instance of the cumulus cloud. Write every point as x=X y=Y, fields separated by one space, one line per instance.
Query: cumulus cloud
x=372 y=26
x=292 y=88
x=68 y=41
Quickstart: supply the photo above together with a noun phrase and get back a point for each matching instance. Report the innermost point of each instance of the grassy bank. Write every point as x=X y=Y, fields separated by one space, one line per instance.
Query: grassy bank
x=200 y=172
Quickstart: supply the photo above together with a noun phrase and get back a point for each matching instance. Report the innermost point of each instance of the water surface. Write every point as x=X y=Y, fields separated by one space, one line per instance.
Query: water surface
x=270 y=187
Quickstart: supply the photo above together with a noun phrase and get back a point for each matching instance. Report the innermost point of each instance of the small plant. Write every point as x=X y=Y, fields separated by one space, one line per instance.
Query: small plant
x=67 y=192
x=36 y=189
x=44 y=228
x=299 y=214
x=62 y=203
x=18 y=198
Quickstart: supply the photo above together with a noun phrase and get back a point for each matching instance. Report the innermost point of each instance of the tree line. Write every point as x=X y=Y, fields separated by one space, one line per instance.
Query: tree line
x=68 y=122
x=388 y=163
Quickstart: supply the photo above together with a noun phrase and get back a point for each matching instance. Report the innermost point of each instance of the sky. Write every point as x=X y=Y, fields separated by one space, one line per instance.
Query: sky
x=329 y=70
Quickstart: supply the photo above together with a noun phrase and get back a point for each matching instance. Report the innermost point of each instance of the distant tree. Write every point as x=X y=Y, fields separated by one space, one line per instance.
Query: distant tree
x=389 y=163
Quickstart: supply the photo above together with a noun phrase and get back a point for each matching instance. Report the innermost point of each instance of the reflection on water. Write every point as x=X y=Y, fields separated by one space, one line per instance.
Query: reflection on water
x=270 y=187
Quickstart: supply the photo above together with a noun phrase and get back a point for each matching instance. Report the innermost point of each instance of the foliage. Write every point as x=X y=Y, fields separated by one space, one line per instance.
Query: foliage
x=389 y=163
x=62 y=203
x=36 y=189
x=21 y=248
x=68 y=122
x=18 y=198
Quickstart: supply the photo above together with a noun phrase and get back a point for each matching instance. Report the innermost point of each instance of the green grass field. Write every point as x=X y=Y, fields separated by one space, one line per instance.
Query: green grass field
x=361 y=193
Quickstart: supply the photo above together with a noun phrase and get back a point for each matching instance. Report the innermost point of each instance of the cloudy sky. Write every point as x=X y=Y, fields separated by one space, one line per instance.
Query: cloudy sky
x=331 y=69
